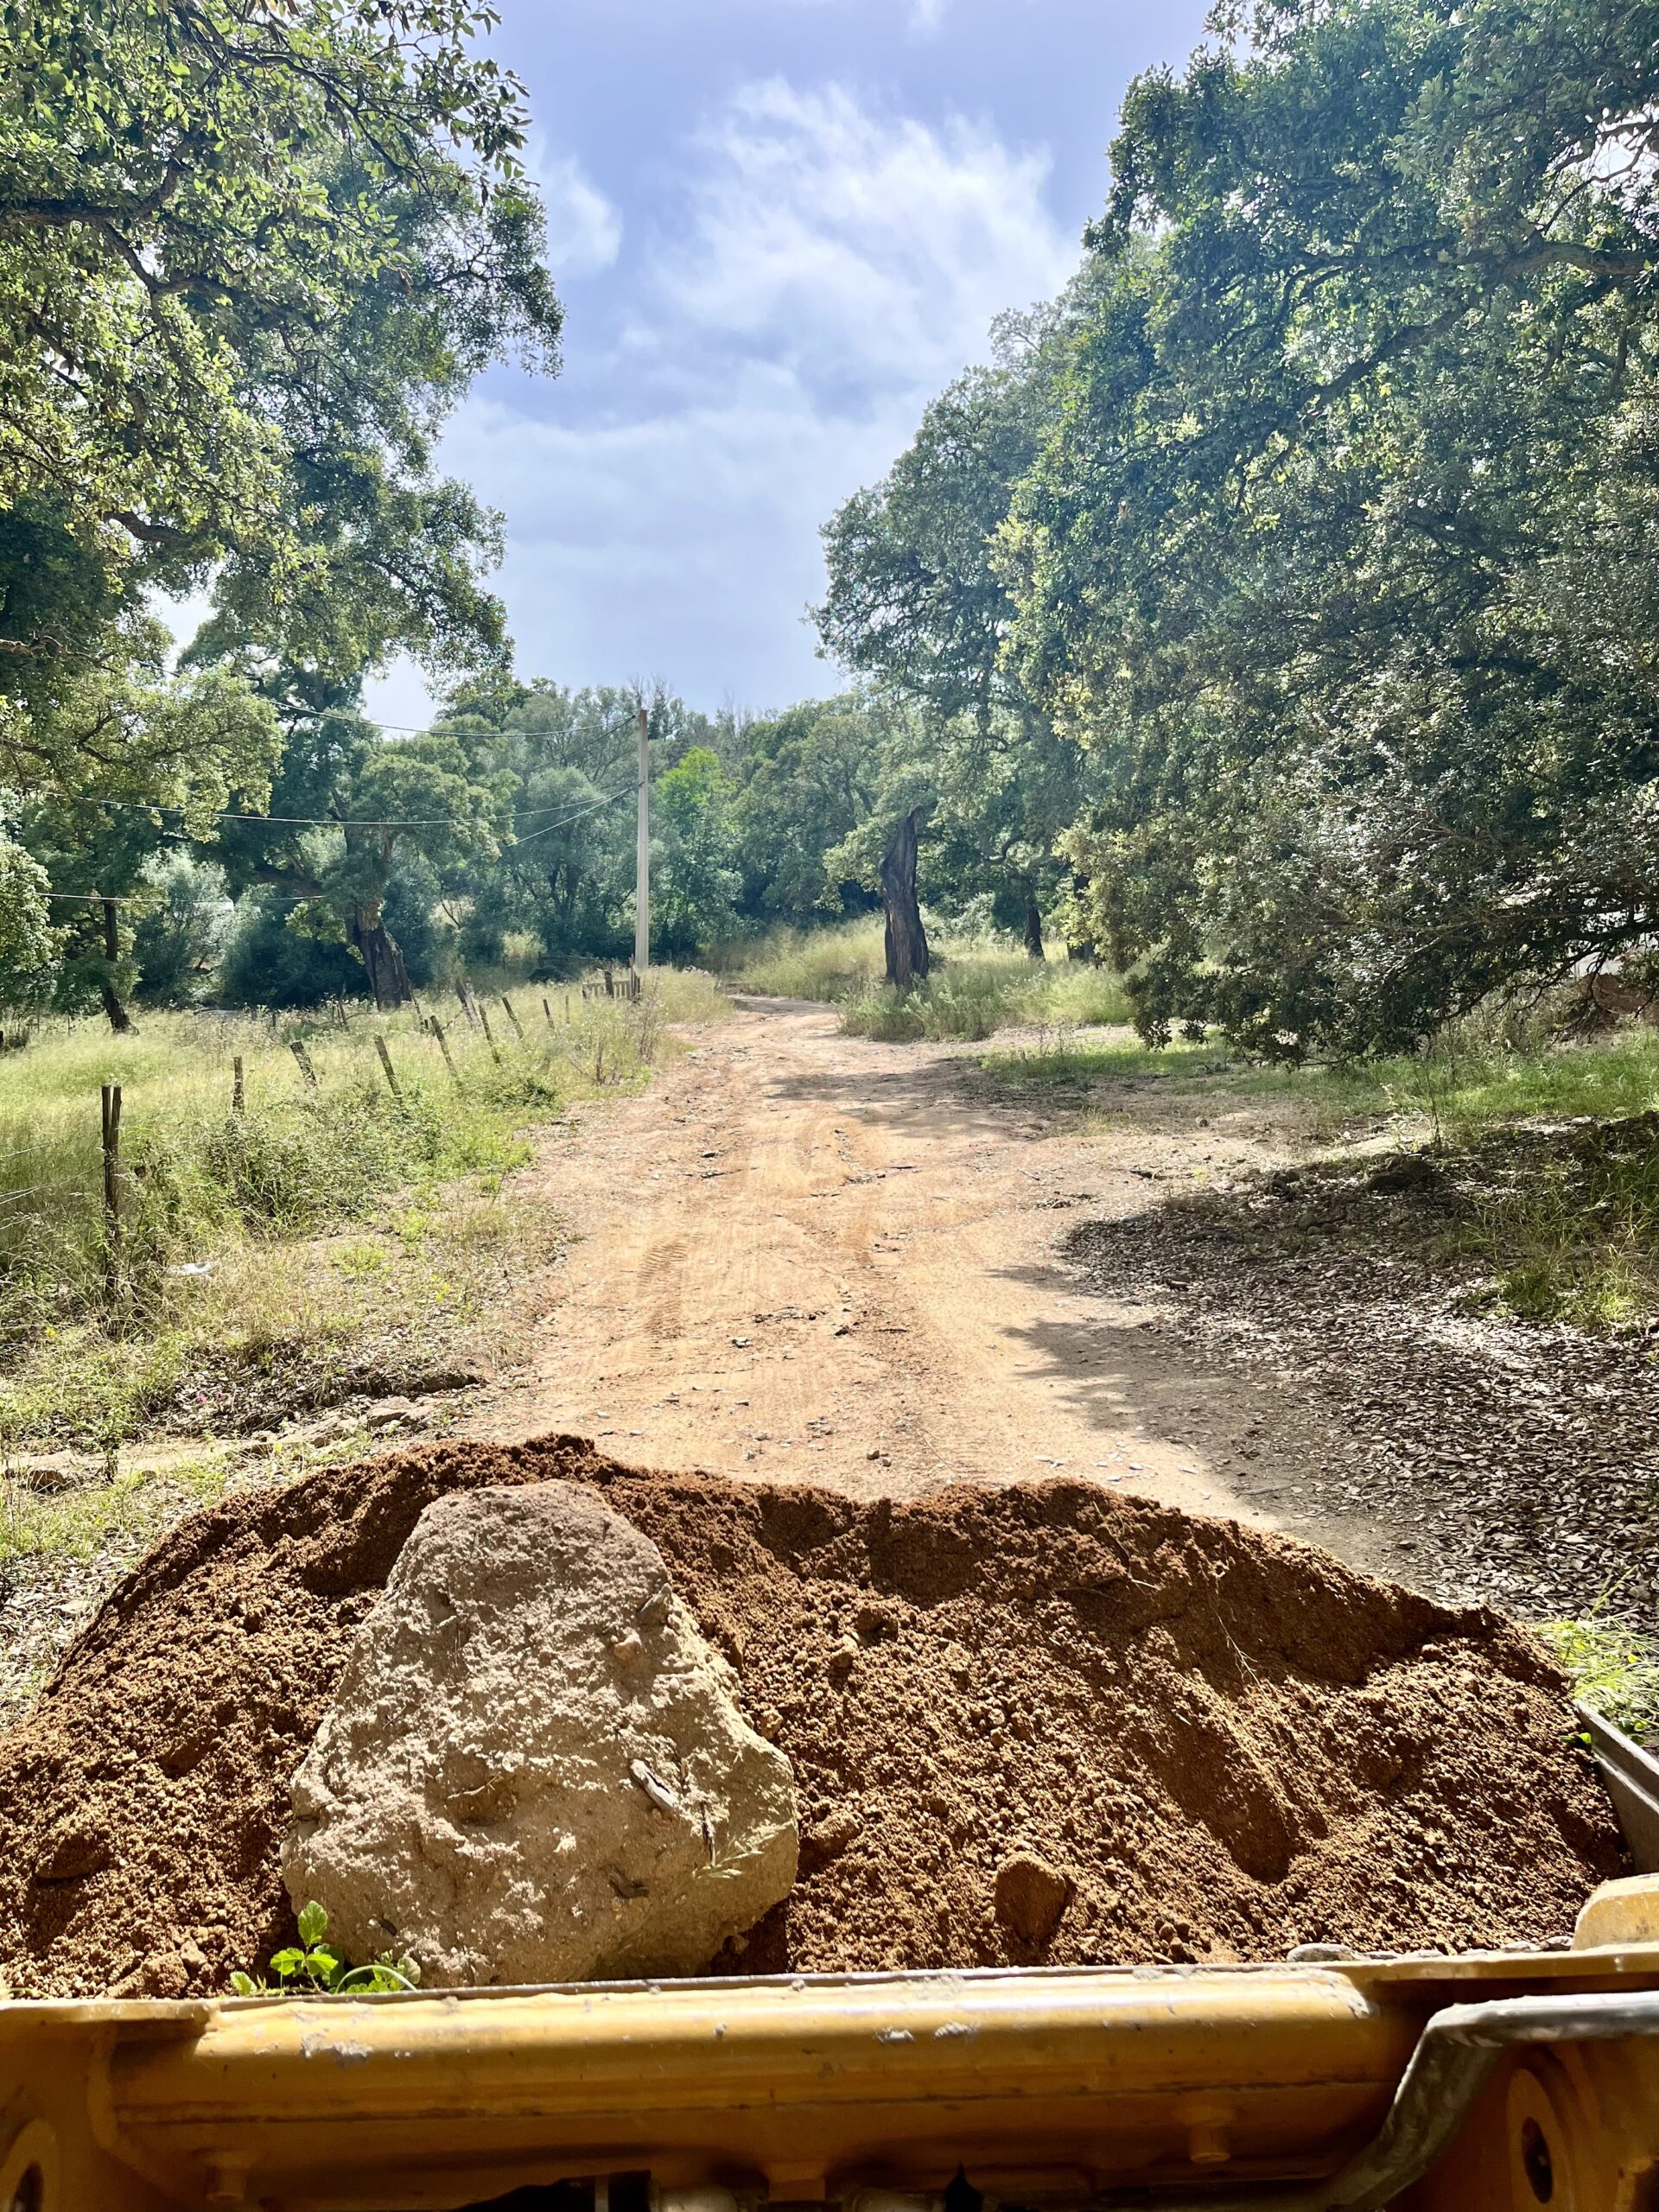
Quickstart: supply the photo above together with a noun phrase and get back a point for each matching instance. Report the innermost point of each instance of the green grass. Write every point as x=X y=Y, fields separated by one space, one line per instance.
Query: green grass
x=1551 y=1146
x=977 y=988
x=62 y=1554
x=1613 y=1670
x=1454 y=1093
x=831 y=964
x=1061 y=1063
x=125 y=1514
x=1556 y=1142
x=280 y=1234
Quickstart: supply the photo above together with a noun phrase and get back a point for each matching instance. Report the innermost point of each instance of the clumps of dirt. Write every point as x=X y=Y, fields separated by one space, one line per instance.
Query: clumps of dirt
x=1035 y=1724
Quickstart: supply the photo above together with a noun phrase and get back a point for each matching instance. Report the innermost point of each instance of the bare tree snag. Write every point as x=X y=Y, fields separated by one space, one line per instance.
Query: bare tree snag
x=120 y=1020
x=907 y=955
x=382 y=959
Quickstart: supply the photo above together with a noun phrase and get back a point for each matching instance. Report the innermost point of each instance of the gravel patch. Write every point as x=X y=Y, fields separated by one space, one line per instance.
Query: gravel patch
x=1478 y=1458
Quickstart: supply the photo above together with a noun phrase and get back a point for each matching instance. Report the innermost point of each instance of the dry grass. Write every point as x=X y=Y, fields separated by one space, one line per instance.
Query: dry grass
x=977 y=988
x=316 y=1240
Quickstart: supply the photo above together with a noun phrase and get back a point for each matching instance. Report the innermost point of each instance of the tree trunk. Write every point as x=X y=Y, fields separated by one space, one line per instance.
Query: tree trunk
x=377 y=948
x=1033 y=929
x=120 y=1020
x=908 y=959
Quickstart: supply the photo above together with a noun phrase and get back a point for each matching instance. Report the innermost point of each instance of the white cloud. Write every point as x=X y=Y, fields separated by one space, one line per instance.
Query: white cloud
x=683 y=544
x=858 y=248
x=828 y=270
x=584 y=229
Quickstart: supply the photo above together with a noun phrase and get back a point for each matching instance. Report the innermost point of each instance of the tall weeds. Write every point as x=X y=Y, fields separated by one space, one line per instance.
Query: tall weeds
x=204 y=1187
x=976 y=988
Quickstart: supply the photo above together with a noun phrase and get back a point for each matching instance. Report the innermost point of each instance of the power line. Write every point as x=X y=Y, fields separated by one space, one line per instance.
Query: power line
x=304 y=821
x=547 y=828
x=301 y=899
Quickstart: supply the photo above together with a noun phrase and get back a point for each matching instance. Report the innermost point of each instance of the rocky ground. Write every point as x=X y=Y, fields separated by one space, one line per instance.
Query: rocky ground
x=1400 y=1418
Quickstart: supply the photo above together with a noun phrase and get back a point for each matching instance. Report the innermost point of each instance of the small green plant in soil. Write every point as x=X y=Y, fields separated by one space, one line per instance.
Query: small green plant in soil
x=311 y=1969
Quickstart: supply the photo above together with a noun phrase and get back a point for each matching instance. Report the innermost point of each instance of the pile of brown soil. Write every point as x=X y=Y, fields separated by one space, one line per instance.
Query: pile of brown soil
x=1043 y=1723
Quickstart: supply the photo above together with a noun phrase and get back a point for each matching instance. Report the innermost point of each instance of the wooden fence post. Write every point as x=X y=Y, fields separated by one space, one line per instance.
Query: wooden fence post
x=304 y=1060
x=469 y=1003
x=392 y=1073
x=437 y=1029
x=111 y=1135
x=484 y=1022
x=519 y=1026
x=547 y=1010
x=239 y=1094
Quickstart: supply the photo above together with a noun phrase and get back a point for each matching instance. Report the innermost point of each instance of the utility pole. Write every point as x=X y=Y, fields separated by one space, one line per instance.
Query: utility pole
x=642 y=859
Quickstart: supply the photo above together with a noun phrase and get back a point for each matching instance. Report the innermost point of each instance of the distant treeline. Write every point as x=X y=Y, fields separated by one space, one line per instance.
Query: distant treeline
x=504 y=836
x=1276 y=614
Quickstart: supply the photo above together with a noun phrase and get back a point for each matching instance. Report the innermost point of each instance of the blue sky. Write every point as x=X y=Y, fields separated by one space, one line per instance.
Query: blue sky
x=779 y=226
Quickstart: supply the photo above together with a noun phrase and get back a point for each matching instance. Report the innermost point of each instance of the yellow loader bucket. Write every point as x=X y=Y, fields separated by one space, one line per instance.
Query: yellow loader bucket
x=1485 y=2080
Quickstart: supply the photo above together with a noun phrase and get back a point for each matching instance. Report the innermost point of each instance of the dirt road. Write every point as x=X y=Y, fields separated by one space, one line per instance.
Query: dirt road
x=804 y=1254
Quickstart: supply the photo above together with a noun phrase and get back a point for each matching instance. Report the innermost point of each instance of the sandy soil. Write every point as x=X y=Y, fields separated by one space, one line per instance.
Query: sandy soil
x=800 y=1255
x=805 y=1255
x=1036 y=1723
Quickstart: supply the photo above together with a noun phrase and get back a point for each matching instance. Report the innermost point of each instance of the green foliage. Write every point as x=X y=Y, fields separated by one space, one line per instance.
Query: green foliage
x=1337 y=555
x=310 y=1969
x=1613 y=1670
x=564 y=872
x=695 y=889
x=917 y=602
x=248 y=253
x=179 y=936
x=809 y=779
x=978 y=988
x=427 y=806
x=27 y=950
x=266 y=963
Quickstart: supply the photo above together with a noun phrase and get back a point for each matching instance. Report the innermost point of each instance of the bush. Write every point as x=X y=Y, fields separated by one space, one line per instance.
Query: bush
x=267 y=963
x=177 y=943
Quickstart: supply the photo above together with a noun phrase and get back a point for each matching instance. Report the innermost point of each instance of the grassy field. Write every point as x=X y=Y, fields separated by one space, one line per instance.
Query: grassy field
x=262 y=1248
x=977 y=988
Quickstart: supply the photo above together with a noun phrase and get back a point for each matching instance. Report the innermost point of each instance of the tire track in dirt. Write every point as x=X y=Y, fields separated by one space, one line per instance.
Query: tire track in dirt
x=804 y=1254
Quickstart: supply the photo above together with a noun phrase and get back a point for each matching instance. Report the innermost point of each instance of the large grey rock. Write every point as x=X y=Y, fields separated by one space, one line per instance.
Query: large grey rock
x=534 y=1769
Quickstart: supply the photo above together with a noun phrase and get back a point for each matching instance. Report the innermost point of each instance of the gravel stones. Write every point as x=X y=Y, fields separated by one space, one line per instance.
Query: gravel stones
x=1479 y=1458
x=534 y=1769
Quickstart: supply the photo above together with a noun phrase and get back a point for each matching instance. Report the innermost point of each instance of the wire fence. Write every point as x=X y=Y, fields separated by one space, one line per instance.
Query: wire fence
x=102 y=1229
